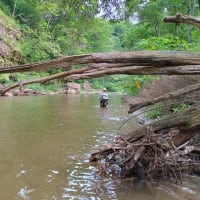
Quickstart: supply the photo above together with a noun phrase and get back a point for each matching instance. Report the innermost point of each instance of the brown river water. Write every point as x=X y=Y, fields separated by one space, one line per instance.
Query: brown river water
x=45 y=143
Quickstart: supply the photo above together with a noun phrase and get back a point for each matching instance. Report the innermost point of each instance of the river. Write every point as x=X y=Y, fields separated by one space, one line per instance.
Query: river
x=45 y=143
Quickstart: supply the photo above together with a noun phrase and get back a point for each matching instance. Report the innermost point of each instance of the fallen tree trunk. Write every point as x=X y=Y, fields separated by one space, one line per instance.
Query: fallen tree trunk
x=88 y=72
x=155 y=59
x=42 y=80
x=130 y=63
x=138 y=70
x=170 y=95
x=163 y=148
x=44 y=65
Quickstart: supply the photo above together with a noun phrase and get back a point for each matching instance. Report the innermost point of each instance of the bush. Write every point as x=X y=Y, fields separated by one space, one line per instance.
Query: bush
x=4 y=78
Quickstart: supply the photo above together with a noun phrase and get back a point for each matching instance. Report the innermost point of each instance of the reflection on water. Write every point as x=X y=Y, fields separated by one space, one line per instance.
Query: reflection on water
x=45 y=143
x=23 y=193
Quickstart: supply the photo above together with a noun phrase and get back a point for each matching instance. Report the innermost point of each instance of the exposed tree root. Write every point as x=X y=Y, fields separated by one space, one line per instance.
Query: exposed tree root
x=150 y=156
x=158 y=150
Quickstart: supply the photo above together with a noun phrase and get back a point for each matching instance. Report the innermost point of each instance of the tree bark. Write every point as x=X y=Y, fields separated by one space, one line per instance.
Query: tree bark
x=42 y=80
x=185 y=121
x=102 y=64
x=170 y=95
x=181 y=18
x=165 y=60
x=44 y=65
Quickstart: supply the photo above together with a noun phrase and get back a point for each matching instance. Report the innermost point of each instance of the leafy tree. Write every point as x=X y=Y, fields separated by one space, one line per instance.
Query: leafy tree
x=98 y=37
x=152 y=12
x=120 y=32
x=65 y=27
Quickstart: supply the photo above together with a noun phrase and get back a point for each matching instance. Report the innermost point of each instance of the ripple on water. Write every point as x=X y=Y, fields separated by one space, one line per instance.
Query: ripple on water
x=84 y=182
x=23 y=193
x=116 y=118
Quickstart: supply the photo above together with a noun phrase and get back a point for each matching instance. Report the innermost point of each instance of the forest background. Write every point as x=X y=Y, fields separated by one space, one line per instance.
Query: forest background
x=38 y=30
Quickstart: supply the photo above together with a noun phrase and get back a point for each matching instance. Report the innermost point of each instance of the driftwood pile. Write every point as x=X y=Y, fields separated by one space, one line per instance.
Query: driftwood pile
x=165 y=149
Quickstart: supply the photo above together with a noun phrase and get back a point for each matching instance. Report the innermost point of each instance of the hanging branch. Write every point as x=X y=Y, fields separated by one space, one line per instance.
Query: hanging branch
x=181 y=18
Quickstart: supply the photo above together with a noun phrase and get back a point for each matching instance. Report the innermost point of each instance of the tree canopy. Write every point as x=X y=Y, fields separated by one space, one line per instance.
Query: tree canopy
x=57 y=28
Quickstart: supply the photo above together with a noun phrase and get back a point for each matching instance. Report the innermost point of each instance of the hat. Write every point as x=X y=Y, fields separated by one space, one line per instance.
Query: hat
x=104 y=89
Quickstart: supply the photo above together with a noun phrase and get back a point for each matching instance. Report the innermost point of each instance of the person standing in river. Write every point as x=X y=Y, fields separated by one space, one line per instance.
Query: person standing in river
x=103 y=98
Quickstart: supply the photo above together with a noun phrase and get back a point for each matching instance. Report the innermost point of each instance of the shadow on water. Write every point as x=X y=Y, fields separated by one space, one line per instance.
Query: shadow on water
x=45 y=143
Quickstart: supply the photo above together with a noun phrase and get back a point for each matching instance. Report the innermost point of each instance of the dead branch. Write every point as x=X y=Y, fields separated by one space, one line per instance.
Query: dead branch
x=170 y=95
x=42 y=80
x=161 y=149
x=181 y=18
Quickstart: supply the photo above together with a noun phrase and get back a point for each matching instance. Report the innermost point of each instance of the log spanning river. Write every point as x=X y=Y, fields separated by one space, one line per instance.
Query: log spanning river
x=45 y=143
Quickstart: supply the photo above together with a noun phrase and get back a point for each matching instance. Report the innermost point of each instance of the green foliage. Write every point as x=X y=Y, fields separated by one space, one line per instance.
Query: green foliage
x=163 y=43
x=5 y=8
x=119 y=33
x=194 y=45
x=66 y=27
x=52 y=87
x=154 y=111
x=4 y=78
x=157 y=43
x=179 y=108
x=98 y=37
x=157 y=110
x=37 y=47
x=134 y=84
x=122 y=83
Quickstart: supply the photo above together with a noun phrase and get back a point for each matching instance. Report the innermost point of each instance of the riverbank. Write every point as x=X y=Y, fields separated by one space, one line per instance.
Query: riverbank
x=32 y=92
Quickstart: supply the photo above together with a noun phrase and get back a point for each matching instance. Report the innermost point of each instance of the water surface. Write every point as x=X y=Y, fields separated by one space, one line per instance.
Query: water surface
x=45 y=143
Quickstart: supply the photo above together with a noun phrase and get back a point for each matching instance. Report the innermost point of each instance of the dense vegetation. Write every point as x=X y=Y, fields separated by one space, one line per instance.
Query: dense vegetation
x=50 y=29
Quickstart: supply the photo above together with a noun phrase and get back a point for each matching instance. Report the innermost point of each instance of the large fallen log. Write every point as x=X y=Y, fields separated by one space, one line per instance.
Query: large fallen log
x=165 y=148
x=102 y=64
x=43 y=65
x=156 y=59
x=170 y=95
